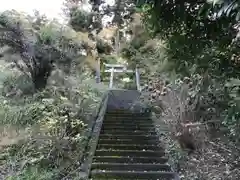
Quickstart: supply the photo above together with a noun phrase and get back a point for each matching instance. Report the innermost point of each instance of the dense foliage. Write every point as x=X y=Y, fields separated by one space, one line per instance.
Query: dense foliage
x=48 y=98
x=40 y=44
x=198 y=39
x=187 y=53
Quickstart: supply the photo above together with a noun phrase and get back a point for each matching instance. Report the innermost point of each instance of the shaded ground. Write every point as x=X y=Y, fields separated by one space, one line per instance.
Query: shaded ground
x=217 y=160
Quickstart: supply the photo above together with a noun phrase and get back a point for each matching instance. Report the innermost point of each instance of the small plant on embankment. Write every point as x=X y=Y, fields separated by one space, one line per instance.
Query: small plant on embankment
x=47 y=99
x=43 y=135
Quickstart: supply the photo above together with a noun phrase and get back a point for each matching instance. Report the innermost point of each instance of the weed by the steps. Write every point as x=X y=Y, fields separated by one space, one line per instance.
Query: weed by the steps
x=43 y=135
x=33 y=173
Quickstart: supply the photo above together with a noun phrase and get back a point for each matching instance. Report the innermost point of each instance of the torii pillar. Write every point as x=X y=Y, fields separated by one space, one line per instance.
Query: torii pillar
x=98 y=77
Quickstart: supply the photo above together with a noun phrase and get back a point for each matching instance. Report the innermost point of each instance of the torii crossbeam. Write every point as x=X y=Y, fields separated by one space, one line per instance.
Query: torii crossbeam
x=120 y=68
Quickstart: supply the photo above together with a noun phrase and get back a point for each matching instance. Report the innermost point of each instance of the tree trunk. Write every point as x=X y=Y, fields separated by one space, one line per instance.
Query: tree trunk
x=40 y=80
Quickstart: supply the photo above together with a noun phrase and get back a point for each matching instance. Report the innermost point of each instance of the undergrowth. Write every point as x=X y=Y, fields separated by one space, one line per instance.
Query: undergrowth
x=43 y=134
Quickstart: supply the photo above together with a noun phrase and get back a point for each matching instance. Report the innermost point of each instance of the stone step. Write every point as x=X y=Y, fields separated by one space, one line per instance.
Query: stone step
x=125 y=113
x=127 y=132
x=127 y=119
x=147 y=128
x=127 y=116
x=139 y=160
x=128 y=147
x=129 y=136
x=129 y=113
x=131 y=167
x=129 y=153
x=129 y=124
x=127 y=141
x=151 y=175
x=151 y=130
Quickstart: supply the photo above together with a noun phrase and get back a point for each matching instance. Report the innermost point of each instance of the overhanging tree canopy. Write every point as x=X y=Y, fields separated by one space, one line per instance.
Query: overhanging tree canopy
x=39 y=47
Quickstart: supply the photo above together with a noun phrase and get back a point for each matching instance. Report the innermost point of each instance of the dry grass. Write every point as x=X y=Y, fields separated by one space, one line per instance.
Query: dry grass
x=173 y=106
x=214 y=159
x=45 y=143
x=37 y=146
x=10 y=135
x=180 y=116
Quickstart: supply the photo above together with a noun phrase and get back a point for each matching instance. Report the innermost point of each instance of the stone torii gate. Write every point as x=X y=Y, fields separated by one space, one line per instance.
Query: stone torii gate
x=120 y=68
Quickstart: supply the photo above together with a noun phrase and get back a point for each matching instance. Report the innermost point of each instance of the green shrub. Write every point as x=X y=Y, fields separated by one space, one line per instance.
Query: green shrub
x=232 y=114
x=55 y=120
x=33 y=173
x=13 y=83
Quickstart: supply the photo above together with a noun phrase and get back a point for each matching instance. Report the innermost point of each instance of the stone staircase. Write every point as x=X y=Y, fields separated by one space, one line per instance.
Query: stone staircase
x=128 y=148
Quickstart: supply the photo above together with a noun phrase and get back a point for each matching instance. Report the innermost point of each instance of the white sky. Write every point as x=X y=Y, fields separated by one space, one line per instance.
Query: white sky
x=51 y=8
